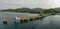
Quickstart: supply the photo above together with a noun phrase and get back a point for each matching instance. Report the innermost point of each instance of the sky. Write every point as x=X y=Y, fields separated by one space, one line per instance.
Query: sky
x=9 y=4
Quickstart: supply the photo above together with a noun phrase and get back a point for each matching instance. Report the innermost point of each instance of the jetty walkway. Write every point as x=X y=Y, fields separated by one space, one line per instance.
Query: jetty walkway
x=26 y=18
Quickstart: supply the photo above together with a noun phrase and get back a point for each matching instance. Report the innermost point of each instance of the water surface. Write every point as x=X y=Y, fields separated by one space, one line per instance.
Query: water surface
x=49 y=22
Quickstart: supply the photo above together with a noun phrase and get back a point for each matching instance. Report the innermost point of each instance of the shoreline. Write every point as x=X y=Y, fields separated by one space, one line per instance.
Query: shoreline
x=19 y=12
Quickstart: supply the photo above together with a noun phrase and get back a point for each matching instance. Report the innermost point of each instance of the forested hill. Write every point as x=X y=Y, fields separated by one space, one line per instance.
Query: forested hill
x=28 y=10
x=25 y=10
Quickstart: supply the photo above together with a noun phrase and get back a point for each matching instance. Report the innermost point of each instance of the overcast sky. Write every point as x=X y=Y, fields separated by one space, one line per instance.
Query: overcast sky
x=4 y=4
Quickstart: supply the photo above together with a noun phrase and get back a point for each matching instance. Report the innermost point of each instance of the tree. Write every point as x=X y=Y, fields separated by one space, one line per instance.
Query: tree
x=49 y=11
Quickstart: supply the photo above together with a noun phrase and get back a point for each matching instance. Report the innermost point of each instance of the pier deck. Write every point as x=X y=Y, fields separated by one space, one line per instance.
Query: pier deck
x=22 y=19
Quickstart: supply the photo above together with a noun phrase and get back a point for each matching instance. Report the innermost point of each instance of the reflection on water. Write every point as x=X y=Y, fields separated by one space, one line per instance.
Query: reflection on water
x=49 y=22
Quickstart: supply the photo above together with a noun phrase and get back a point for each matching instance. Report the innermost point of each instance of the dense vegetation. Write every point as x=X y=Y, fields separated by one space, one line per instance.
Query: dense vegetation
x=28 y=10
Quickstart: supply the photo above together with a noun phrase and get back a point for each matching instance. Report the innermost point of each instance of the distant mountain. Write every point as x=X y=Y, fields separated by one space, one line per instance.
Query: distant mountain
x=57 y=9
x=27 y=9
x=23 y=9
x=32 y=8
x=38 y=9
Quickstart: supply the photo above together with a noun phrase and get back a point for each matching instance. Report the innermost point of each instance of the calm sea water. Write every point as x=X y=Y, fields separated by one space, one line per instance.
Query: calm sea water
x=49 y=22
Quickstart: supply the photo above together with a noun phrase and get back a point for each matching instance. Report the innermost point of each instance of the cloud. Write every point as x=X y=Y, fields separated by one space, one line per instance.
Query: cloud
x=29 y=3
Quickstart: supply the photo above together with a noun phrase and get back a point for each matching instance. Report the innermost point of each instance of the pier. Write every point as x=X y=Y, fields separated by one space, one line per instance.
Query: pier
x=26 y=18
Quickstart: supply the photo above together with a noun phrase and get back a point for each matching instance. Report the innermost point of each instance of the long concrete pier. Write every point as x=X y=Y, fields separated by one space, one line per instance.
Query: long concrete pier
x=26 y=18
